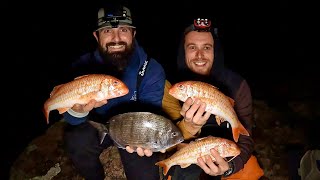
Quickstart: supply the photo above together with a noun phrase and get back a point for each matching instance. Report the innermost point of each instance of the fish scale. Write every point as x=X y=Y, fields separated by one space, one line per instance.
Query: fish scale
x=200 y=148
x=217 y=103
x=143 y=129
x=83 y=89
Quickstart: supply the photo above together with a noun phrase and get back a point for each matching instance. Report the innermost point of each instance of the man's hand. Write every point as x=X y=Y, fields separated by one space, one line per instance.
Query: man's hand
x=142 y=152
x=82 y=108
x=194 y=112
x=213 y=167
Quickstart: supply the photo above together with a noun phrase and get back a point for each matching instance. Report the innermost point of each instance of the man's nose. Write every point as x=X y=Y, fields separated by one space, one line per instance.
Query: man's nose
x=116 y=36
x=199 y=54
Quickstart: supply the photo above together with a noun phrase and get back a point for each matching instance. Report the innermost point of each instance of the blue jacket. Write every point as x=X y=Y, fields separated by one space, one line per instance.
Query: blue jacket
x=149 y=94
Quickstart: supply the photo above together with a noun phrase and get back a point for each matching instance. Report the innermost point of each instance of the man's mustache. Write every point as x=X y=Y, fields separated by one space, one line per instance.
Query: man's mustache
x=116 y=43
x=199 y=59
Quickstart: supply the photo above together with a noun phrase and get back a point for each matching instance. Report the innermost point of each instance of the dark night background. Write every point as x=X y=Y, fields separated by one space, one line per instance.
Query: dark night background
x=40 y=38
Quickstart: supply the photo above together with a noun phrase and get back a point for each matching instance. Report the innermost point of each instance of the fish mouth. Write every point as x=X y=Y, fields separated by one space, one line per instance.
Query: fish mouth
x=179 y=141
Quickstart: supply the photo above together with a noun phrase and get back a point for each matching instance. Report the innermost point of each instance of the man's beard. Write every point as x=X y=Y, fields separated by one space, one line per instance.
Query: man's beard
x=118 y=60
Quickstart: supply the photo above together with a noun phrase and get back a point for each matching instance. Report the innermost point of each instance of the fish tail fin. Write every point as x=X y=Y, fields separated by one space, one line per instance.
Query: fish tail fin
x=164 y=166
x=102 y=131
x=46 y=114
x=239 y=130
x=46 y=110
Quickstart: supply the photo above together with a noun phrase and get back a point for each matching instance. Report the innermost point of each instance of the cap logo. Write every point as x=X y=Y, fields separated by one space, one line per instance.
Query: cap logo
x=114 y=19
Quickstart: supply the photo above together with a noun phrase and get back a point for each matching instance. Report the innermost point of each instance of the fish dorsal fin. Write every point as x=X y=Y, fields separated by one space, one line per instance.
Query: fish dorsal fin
x=55 y=89
x=191 y=142
x=231 y=101
x=184 y=165
x=213 y=86
x=198 y=139
x=81 y=76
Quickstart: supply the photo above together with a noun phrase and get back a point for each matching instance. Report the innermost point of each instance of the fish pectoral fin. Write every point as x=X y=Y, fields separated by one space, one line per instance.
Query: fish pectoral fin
x=119 y=145
x=219 y=120
x=62 y=110
x=232 y=102
x=184 y=165
x=96 y=95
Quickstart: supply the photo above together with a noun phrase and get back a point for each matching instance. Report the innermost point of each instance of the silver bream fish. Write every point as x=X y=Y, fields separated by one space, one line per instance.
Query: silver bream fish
x=144 y=129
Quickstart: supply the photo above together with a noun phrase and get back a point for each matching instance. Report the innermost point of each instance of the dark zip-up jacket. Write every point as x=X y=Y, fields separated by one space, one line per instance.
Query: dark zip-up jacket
x=148 y=97
x=232 y=85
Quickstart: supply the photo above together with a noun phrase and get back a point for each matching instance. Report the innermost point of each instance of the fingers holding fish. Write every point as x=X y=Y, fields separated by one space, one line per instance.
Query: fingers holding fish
x=186 y=106
x=200 y=148
x=144 y=132
x=192 y=110
x=201 y=116
x=217 y=103
x=208 y=165
x=213 y=164
x=79 y=93
x=147 y=152
x=163 y=151
x=82 y=108
x=196 y=114
x=141 y=152
x=129 y=149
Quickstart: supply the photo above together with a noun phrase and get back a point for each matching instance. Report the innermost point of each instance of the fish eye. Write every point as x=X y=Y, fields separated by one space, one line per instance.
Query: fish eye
x=181 y=86
x=174 y=134
x=115 y=83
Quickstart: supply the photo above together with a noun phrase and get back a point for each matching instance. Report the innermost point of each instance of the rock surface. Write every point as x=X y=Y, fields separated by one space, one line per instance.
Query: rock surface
x=274 y=132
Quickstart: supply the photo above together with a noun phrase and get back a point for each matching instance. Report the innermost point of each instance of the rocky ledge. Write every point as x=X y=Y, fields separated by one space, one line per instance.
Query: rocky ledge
x=276 y=132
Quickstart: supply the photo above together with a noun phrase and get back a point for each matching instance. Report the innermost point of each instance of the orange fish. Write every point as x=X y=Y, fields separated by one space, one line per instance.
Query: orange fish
x=83 y=89
x=189 y=154
x=217 y=103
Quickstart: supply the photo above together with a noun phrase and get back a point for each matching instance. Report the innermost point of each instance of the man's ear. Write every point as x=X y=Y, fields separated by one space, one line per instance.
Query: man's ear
x=134 y=33
x=95 y=34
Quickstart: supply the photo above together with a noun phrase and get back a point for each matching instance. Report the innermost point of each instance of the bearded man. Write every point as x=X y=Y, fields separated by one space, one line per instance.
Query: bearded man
x=118 y=54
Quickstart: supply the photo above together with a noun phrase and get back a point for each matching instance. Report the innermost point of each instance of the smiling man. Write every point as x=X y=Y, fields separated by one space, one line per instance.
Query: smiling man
x=200 y=58
x=119 y=54
x=199 y=47
x=115 y=36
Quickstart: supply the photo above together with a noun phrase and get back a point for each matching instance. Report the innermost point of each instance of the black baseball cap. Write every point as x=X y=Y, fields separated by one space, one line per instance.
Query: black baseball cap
x=114 y=16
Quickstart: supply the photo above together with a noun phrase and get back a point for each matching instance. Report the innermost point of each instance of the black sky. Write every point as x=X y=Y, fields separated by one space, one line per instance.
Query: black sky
x=41 y=37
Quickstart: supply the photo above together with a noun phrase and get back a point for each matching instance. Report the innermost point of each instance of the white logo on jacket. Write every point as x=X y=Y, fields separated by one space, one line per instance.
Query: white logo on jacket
x=134 y=96
x=141 y=73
